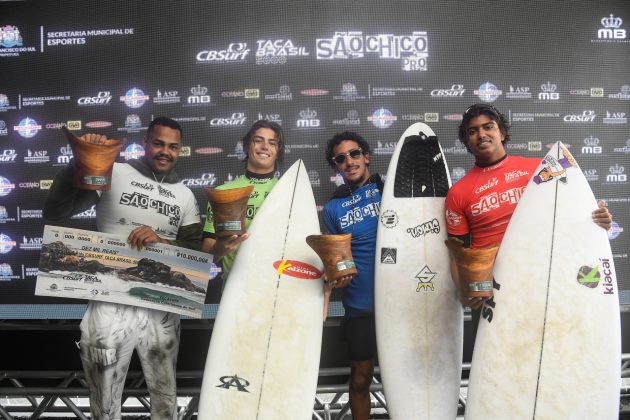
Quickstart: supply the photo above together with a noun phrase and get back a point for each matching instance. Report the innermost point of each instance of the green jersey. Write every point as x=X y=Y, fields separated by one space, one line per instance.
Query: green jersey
x=263 y=183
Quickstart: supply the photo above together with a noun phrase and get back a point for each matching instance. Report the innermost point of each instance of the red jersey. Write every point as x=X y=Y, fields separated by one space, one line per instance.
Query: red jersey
x=482 y=202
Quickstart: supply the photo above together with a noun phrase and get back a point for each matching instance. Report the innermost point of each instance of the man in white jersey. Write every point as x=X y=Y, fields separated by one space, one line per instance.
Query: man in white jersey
x=148 y=204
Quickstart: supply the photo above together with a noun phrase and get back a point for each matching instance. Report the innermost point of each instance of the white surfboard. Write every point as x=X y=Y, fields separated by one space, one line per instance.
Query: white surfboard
x=549 y=342
x=264 y=351
x=419 y=320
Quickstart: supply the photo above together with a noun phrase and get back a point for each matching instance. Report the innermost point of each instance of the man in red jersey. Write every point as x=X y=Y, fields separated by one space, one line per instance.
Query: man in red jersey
x=479 y=206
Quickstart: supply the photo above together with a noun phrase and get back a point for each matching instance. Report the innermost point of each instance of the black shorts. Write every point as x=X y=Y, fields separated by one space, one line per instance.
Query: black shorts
x=359 y=332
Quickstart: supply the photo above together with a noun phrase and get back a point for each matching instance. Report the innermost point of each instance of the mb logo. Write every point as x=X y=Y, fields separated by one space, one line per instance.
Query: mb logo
x=228 y=382
x=307 y=119
x=591 y=146
x=616 y=174
x=548 y=92
x=611 y=28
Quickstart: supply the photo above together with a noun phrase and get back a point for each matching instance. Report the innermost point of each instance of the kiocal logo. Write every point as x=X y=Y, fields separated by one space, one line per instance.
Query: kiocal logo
x=591 y=276
x=297 y=269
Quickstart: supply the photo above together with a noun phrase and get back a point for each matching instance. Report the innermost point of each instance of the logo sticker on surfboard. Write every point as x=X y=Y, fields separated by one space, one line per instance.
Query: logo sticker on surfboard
x=297 y=269
x=389 y=219
x=432 y=226
x=424 y=276
x=388 y=255
x=555 y=168
x=591 y=276
x=228 y=382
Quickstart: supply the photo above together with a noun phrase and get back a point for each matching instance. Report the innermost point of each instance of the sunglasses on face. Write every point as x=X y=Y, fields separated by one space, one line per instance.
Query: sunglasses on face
x=481 y=108
x=341 y=157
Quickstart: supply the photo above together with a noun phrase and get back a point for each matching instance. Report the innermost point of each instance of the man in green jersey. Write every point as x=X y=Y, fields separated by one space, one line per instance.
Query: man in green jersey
x=264 y=148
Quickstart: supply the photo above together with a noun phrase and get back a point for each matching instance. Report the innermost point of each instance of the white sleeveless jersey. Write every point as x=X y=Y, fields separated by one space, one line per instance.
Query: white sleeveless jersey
x=135 y=200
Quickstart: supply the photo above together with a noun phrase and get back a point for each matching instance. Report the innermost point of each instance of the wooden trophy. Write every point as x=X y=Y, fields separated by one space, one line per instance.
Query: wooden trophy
x=475 y=268
x=335 y=253
x=229 y=208
x=93 y=161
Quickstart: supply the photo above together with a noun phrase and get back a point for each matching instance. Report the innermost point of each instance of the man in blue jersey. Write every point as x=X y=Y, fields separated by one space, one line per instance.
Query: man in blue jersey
x=354 y=208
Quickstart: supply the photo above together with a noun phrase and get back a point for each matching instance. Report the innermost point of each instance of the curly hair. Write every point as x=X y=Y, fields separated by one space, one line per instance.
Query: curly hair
x=338 y=138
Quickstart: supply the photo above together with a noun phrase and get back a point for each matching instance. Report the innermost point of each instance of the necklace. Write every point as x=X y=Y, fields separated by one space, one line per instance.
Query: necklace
x=160 y=182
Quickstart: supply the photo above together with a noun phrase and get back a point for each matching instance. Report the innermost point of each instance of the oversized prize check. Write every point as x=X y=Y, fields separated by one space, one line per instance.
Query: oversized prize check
x=82 y=264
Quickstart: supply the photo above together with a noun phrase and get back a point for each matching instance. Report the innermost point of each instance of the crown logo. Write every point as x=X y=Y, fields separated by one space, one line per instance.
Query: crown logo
x=548 y=87
x=133 y=119
x=66 y=150
x=611 y=21
x=308 y=114
x=617 y=169
x=199 y=90
x=284 y=90
x=591 y=141
x=625 y=89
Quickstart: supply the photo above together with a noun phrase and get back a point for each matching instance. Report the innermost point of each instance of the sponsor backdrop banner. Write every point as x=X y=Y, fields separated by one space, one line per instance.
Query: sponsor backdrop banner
x=557 y=69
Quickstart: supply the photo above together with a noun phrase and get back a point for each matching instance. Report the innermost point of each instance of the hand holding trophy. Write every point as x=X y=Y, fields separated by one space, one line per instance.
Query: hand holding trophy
x=229 y=208
x=94 y=157
x=335 y=253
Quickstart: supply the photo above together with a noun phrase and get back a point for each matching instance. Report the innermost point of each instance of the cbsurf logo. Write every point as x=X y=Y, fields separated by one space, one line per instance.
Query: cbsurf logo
x=297 y=269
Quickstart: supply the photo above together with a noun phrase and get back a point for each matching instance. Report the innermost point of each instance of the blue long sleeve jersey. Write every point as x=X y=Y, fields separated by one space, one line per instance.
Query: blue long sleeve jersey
x=356 y=211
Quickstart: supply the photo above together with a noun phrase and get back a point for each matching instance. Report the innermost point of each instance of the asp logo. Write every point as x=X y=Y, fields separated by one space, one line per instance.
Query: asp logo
x=297 y=269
